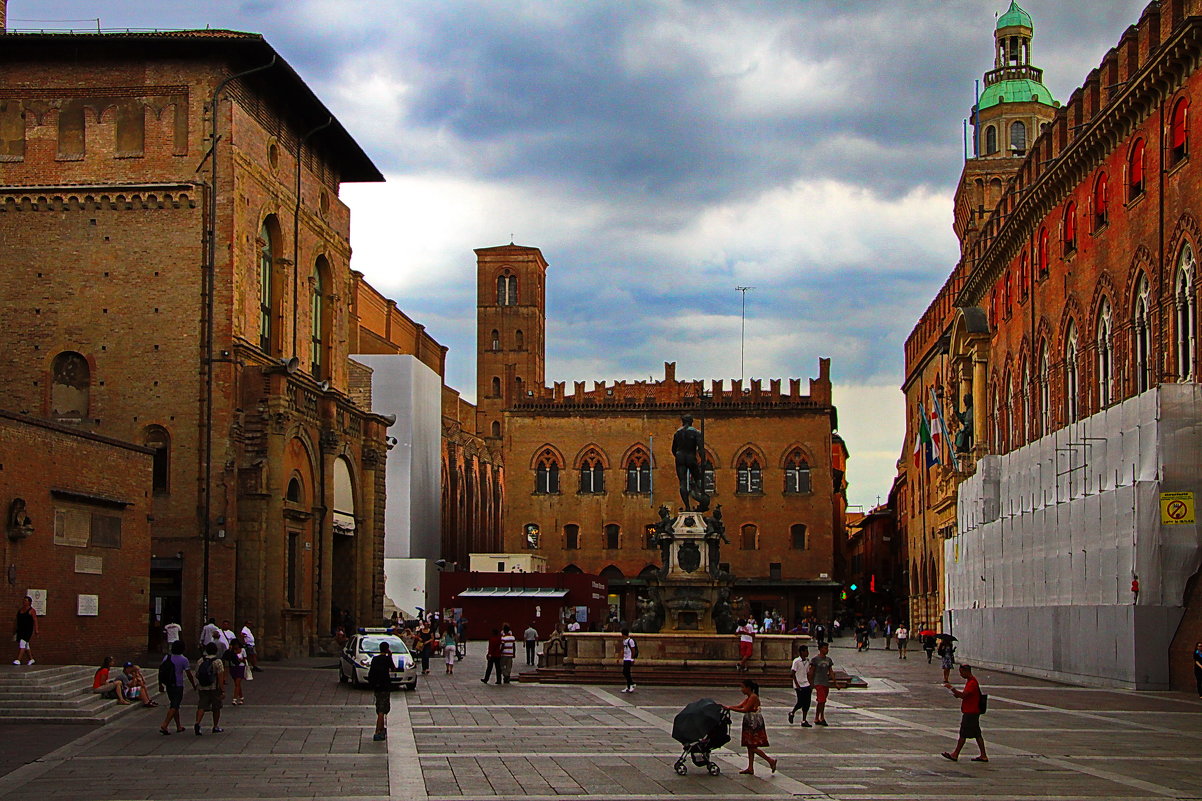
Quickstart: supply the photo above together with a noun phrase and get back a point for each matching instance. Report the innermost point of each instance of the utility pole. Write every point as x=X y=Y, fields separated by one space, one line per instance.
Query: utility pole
x=742 y=327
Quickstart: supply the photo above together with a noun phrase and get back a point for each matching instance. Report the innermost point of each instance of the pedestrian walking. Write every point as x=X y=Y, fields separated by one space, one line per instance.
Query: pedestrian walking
x=248 y=641
x=379 y=678
x=947 y=658
x=755 y=733
x=210 y=687
x=800 y=671
x=746 y=632
x=235 y=662
x=172 y=672
x=211 y=632
x=630 y=652
x=971 y=708
x=531 y=637
x=903 y=639
x=861 y=636
x=821 y=675
x=171 y=634
x=425 y=646
x=1198 y=667
x=888 y=632
x=25 y=628
x=449 y=654
x=509 y=649
x=494 y=656
x=928 y=645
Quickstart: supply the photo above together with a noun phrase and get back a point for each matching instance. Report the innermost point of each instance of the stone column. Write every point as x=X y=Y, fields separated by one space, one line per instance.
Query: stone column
x=979 y=399
x=273 y=536
x=324 y=535
x=369 y=534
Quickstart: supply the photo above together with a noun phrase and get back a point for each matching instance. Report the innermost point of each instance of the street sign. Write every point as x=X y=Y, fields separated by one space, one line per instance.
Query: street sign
x=1176 y=508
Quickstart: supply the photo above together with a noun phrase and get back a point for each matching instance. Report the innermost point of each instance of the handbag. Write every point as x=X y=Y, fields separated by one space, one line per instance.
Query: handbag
x=984 y=705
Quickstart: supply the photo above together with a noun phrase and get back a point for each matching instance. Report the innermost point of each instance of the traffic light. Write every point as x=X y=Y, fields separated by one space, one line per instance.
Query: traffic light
x=843 y=595
x=854 y=587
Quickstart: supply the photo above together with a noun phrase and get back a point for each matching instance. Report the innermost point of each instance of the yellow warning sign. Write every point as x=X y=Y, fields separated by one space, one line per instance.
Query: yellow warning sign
x=1176 y=508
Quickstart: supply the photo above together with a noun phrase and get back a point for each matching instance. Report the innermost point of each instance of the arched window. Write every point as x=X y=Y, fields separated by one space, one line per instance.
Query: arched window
x=613 y=536
x=1071 y=386
x=1018 y=138
x=592 y=474
x=1135 y=170
x=1105 y=355
x=1008 y=417
x=638 y=472
x=294 y=493
x=1101 y=208
x=507 y=289
x=1070 y=228
x=1186 y=312
x=1024 y=275
x=159 y=441
x=797 y=473
x=496 y=428
x=320 y=318
x=1009 y=293
x=915 y=579
x=1045 y=391
x=496 y=386
x=707 y=476
x=749 y=537
x=70 y=388
x=1178 y=133
x=519 y=386
x=519 y=340
x=1024 y=393
x=268 y=247
x=1141 y=335
x=571 y=537
x=797 y=536
x=1043 y=253
x=990 y=140
x=546 y=473
x=750 y=478
x=495 y=340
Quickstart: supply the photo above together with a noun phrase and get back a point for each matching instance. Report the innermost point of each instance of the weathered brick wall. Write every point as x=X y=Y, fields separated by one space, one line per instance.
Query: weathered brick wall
x=37 y=458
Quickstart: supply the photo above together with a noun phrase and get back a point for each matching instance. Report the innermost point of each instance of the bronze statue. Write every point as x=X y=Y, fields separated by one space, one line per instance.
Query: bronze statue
x=965 y=435
x=687 y=451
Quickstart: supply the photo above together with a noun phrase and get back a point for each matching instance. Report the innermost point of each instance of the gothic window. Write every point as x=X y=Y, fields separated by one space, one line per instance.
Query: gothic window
x=749 y=477
x=749 y=537
x=268 y=300
x=990 y=140
x=1178 y=130
x=320 y=318
x=507 y=289
x=1141 y=346
x=571 y=537
x=1024 y=391
x=294 y=492
x=496 y=428
x=1070 y=228
x=1135 y=170
x=1008 y=425
x=707 y=476
x=519 y=340
x=592 y=474
x=1186 y=312
x=495 y=340
x=1105 y=355
x=797 y=473
x=546 y=473
x=1100 y=203
x=797 y=536
x=1024 y=275
x=496 y=386
x=1045 y=392
x=1070 y=374
x=1043 y=253
x=159 y=441
x=638 y=472
x=1018 y=138
x=70 y=388
x=613 y=535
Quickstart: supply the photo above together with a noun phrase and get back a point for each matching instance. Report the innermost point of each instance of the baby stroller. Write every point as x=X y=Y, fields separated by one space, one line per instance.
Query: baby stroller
x=700 y=727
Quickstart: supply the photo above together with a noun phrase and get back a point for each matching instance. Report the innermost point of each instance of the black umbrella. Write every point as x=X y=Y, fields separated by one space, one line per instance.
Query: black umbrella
x=697 y=720
x=947 y=637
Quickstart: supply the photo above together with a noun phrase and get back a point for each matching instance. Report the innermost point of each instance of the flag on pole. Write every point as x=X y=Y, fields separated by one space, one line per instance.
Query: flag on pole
x=939 y=430
x=924 y=433
x=917 y=451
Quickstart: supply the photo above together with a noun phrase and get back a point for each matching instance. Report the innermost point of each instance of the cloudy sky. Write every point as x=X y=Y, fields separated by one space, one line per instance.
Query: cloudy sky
x=660 y=154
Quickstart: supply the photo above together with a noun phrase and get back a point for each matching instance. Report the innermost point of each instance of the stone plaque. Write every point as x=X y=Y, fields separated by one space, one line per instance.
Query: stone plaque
x=89 y=564
x=87 y=605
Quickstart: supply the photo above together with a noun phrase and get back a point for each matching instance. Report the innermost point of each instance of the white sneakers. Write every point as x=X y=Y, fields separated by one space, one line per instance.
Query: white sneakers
x=30 y=662
x=630 y=689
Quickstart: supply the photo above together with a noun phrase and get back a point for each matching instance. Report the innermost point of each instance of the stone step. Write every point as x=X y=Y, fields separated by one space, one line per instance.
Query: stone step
x=54 y=694
x=676 y=677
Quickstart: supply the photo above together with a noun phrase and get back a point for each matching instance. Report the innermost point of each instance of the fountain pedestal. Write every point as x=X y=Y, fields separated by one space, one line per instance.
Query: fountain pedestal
x=692 y=593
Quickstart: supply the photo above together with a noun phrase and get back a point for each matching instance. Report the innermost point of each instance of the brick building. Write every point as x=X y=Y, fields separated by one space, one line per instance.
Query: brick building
x=586 y=469
x=76 y=537
x=202 y=312
x=1070 y=322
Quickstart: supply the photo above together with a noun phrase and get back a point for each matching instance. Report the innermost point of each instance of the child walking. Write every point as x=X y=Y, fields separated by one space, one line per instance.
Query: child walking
x=449 y=650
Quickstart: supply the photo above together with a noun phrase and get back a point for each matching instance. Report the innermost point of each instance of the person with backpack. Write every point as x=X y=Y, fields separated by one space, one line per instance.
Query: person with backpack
x=972 y=706
x=210 y=686
x=171 y=681
x=630 y=652
x=379 y=678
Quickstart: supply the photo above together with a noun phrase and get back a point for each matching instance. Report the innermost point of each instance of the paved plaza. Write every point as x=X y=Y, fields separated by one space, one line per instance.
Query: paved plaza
x=304 y=735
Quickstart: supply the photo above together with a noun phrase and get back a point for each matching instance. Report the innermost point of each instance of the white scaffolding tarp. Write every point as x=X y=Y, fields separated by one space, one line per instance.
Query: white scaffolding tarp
x=1050 y=537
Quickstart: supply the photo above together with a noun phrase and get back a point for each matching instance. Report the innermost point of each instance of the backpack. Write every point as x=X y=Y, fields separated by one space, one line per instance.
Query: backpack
x=205 y=675
x=167 y=673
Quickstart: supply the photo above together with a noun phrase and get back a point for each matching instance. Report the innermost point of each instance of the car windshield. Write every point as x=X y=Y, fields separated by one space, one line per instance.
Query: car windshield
x=371 y=644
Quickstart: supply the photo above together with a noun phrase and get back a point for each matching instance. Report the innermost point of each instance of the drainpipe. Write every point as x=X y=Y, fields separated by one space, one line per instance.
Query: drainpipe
x=210 y=259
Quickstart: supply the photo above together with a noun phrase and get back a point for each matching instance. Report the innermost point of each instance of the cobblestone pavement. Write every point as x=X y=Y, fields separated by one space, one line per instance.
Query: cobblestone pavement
x=303 y=735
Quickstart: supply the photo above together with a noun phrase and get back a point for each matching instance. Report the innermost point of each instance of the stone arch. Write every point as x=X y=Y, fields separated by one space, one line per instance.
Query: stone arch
x=544 y=450
x=1186 y=229
x=792 y=447
x=611 y=572
x=638 y=447
x=747 y=448
x=588 y=451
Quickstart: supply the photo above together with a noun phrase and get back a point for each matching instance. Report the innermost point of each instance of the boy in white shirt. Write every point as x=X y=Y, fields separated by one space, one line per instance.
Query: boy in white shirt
x=801 y=684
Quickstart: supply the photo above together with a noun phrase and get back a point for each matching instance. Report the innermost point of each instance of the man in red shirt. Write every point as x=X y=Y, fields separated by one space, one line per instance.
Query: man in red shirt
x=970 y=715
x=494 y=656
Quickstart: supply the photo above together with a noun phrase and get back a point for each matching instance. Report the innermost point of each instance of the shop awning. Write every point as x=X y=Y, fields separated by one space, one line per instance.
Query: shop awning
x=512 y=592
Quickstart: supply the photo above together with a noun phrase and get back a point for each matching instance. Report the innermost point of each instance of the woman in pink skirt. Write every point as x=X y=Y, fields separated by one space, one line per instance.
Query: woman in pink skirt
x=755 y=735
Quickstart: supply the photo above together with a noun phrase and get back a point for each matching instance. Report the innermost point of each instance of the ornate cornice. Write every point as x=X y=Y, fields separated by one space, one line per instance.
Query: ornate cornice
x=92 y=198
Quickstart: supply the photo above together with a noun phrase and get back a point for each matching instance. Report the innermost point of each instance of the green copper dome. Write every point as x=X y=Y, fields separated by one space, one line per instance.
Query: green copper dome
x=1015 y=16
x=1015 y=91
